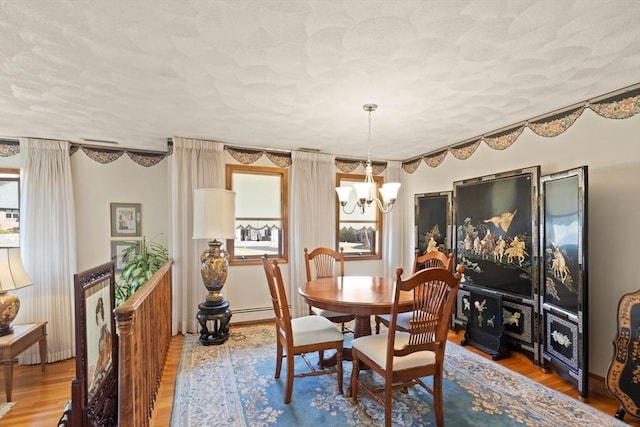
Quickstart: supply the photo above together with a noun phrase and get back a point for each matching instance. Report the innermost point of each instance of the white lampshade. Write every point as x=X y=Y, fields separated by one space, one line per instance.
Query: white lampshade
x=343 y=193
x=362 y=189
x=12 y=273
x=214 y=213
x=389 y=191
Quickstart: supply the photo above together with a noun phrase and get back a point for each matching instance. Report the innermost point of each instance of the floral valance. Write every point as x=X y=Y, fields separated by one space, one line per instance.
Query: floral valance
x=349 y=165
x=620 y=106
x=503 y=140
x=99 y=154
x=248 y=156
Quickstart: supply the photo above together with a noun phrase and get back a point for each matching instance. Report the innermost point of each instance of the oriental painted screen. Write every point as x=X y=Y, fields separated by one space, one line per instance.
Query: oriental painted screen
x=496 y=231
x=564 y=306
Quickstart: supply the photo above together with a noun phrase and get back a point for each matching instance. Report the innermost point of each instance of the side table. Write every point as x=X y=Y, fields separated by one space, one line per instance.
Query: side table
x=23 y=337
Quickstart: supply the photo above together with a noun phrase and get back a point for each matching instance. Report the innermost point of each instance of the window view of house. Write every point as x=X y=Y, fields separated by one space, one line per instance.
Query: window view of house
x=9 y=208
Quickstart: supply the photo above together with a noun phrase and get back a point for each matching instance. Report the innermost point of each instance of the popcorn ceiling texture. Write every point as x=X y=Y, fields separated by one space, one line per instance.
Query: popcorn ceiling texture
x=291 y=74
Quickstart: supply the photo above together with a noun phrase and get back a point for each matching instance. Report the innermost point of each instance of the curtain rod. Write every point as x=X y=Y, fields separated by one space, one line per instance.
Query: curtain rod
x=240 y=147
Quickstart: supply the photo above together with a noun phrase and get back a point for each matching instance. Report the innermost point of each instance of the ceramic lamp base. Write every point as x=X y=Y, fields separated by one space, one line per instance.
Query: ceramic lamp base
x=9 y=306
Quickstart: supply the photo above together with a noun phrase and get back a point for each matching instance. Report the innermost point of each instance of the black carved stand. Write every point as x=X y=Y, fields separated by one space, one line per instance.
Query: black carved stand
x=219 y=316
x=485 y=328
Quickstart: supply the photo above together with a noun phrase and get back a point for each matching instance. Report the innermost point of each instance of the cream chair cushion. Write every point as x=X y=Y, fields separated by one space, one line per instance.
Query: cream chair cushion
x=314 y=330
x=375 y=347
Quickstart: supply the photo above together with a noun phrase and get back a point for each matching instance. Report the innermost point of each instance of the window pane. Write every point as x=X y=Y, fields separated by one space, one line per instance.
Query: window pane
x=256 y=238
x=358 y=232
x=260 y=212
x=357 y=215
x=9 y=208
x=253 y=191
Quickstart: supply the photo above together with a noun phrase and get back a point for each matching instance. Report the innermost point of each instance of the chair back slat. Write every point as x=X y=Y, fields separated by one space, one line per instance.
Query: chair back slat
x=278 y=294
x=433 y=259
x=434 y=295
x=323 y=262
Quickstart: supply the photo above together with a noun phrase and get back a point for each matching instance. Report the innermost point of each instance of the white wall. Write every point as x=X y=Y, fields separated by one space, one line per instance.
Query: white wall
x=97 y=185
x=611 y=150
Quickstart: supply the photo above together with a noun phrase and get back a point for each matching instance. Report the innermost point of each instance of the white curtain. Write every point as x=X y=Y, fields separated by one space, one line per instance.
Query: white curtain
x=312 y=221
x=48 y=245
x=194 y=164
x=392 y=256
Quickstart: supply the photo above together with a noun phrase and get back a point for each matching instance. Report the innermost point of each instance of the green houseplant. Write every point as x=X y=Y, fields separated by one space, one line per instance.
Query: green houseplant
x=143 y=262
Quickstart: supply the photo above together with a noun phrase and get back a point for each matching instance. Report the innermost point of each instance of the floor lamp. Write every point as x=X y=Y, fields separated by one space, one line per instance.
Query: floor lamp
x=12 y=276
x=214 y=218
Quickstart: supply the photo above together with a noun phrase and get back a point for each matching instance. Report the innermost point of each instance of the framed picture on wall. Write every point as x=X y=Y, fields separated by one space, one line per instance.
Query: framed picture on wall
x=433 y=221
x=126 y=220
x=121 y=252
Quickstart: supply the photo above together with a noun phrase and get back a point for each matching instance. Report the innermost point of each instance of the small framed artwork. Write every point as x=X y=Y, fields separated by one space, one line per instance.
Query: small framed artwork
x=122 y=251
x=126 y=220
x=433 y=221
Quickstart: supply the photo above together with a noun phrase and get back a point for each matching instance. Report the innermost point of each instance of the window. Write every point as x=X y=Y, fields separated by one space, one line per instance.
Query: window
x=358 y=233
x=261 y=213
x=9 y=207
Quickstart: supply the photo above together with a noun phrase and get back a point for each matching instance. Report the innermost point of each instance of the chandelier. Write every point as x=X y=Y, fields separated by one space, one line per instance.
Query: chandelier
x=366 y=191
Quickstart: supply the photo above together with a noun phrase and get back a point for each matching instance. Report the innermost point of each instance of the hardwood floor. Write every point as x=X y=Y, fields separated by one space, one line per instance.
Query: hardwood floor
x=40 y=398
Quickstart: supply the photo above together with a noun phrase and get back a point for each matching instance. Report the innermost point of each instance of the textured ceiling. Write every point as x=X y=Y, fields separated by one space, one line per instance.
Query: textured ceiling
x=292 y=74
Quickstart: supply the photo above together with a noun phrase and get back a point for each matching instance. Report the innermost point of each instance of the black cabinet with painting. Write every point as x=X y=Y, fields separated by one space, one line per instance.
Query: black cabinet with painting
x=496 y=240
x=523 y=237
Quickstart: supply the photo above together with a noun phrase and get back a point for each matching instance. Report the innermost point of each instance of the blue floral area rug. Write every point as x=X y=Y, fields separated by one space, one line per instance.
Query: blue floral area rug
x=233 y=385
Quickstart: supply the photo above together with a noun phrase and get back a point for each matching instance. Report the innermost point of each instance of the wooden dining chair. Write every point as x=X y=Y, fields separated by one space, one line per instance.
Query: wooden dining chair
x=403 y=358
x=296 y=337
x=326 y=262
x=433 y=259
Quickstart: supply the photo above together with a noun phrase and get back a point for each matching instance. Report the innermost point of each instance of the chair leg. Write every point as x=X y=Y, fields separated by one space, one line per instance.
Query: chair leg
x=321 y=359
x=355 y=372
x=388 y=396
x=289 y=386
x=377 y=327
x=339 y=361
x=437 y=398
x=278 y=360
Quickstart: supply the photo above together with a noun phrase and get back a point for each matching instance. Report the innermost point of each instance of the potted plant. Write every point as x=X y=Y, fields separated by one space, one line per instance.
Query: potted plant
x=142 y=263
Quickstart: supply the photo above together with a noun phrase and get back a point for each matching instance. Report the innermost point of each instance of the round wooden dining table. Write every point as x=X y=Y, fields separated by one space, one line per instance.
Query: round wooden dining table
x=362 y=296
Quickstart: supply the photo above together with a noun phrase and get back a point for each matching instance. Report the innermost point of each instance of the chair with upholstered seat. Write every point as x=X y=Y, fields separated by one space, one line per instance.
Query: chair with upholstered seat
x=403 y=358
x=433 y=259
x=301 y=335
x=326 y=262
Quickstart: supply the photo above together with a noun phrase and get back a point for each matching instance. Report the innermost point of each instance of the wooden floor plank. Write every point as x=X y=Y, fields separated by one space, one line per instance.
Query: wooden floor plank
x=40 y=398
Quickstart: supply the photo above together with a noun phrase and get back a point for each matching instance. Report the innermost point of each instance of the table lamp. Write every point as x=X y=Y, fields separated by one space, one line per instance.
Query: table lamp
x=12 y=276
x=214 y=218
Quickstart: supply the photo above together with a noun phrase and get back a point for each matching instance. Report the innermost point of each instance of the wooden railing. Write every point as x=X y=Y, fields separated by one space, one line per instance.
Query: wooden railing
x=143 y=325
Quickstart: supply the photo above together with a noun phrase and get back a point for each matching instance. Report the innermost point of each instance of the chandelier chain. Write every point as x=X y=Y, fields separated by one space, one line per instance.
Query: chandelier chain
x=369 y=140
